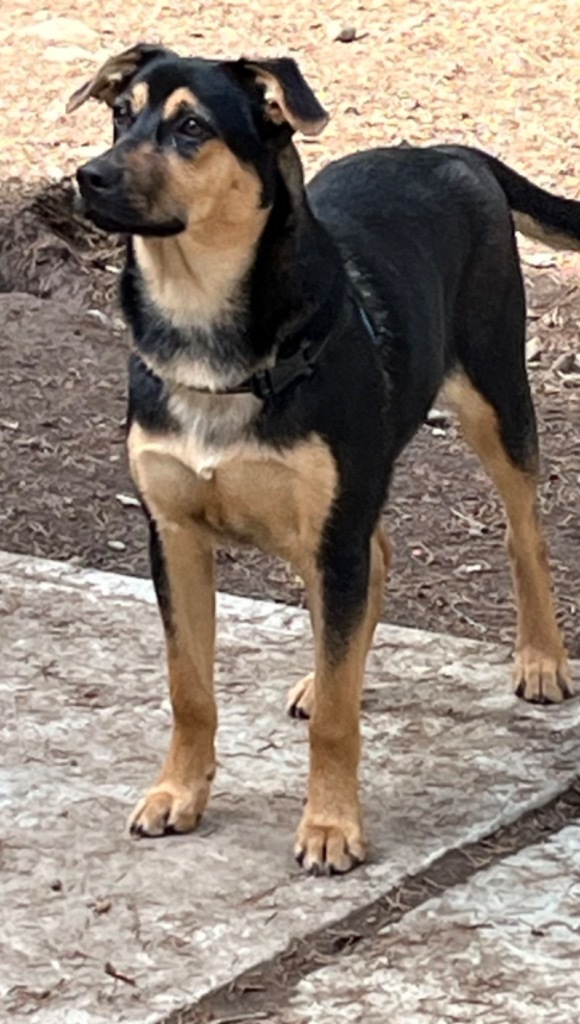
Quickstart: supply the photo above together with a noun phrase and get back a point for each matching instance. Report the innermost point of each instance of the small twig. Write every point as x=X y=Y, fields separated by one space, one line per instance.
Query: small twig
x=473 y=523
x=114 y=973
x=241 y=1018
x=467 y=618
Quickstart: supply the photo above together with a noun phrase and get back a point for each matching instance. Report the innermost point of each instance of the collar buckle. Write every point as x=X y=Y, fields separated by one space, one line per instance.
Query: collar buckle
x=266 y=384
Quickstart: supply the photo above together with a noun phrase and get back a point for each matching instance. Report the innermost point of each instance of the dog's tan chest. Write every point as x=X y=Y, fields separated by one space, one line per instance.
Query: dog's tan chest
x=246 y=492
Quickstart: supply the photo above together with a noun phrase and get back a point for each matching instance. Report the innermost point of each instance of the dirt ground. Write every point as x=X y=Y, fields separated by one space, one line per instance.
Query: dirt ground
x=499 y=75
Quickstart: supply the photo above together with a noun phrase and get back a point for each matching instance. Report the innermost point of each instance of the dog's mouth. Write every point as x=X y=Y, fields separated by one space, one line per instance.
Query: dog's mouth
x=115 y=215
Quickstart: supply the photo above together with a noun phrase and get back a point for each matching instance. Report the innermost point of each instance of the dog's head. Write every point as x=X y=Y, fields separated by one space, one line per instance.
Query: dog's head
x=191 y=137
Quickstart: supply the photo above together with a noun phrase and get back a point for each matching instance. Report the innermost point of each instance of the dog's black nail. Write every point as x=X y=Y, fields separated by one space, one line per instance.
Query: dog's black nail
x=295 y=711
x=317 y=869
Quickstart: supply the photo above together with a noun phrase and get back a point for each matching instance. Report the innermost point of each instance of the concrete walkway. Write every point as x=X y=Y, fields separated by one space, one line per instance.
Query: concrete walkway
x=503 y=949
x=99 y=928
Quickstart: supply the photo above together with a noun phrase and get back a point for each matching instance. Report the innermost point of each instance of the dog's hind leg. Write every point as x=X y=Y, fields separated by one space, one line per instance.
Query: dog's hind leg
x=301 y=697
x=330 y=837
x=503 y=435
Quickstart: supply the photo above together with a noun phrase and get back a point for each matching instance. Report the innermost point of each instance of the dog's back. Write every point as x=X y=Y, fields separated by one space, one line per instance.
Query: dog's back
x=419 y=229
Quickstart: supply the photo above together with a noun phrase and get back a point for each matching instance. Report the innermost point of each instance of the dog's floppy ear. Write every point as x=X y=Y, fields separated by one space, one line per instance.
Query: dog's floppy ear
x=287 y=97
x=115 y=74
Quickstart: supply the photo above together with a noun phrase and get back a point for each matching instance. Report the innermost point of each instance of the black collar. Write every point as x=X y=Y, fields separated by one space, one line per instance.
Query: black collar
x=301 y=363
x=287 y=370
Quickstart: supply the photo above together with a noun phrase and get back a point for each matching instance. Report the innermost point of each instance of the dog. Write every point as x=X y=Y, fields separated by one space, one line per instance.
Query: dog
x=288 y=343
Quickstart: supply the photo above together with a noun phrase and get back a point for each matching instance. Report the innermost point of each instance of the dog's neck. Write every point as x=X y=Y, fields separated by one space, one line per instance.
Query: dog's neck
x=195 y=294
x=221 y=301
x=194 y=281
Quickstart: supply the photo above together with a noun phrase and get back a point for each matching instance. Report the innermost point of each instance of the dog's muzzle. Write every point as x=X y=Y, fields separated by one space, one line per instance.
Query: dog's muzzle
x=99 y=177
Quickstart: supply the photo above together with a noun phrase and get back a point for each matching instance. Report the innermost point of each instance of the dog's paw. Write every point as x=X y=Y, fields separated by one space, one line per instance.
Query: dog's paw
x=301 y=698
x=330 y=847
x=542 y=679
x=168 y=808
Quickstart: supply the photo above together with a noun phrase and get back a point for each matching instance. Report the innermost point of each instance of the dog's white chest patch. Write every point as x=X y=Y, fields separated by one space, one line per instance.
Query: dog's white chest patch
x=212 y=428
x=203 y=462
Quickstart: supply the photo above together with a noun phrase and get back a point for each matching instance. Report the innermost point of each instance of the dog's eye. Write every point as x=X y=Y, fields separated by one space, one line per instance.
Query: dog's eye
x=123 y=115
x=190 y=127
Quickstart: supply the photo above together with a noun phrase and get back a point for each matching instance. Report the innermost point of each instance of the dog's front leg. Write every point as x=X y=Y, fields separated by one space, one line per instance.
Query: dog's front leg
x=183 y=571
x=346 y=601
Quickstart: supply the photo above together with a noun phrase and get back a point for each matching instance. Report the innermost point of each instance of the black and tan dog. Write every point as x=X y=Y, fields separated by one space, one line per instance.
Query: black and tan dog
x=288 y=344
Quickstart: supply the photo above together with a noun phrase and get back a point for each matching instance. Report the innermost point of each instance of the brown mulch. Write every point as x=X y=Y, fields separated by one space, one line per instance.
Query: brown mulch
x=505 y=77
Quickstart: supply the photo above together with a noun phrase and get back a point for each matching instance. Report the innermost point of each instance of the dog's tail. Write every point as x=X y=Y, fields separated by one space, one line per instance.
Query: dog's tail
x=550 y=219
x=539 y=214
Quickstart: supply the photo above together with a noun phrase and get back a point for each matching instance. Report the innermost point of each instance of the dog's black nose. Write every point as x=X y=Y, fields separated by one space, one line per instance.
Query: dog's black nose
x=98 y=176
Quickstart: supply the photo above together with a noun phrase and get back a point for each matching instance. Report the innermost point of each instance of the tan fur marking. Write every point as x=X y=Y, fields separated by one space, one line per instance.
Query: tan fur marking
x=139 y=97
x=541 y=672
x=144 y=169
x=194 y=276
x=278 y=501
x=181 y=792
x=533 y=229
x=108 y=82
x=330 y=833
x=182 y=97
x=277 y=108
